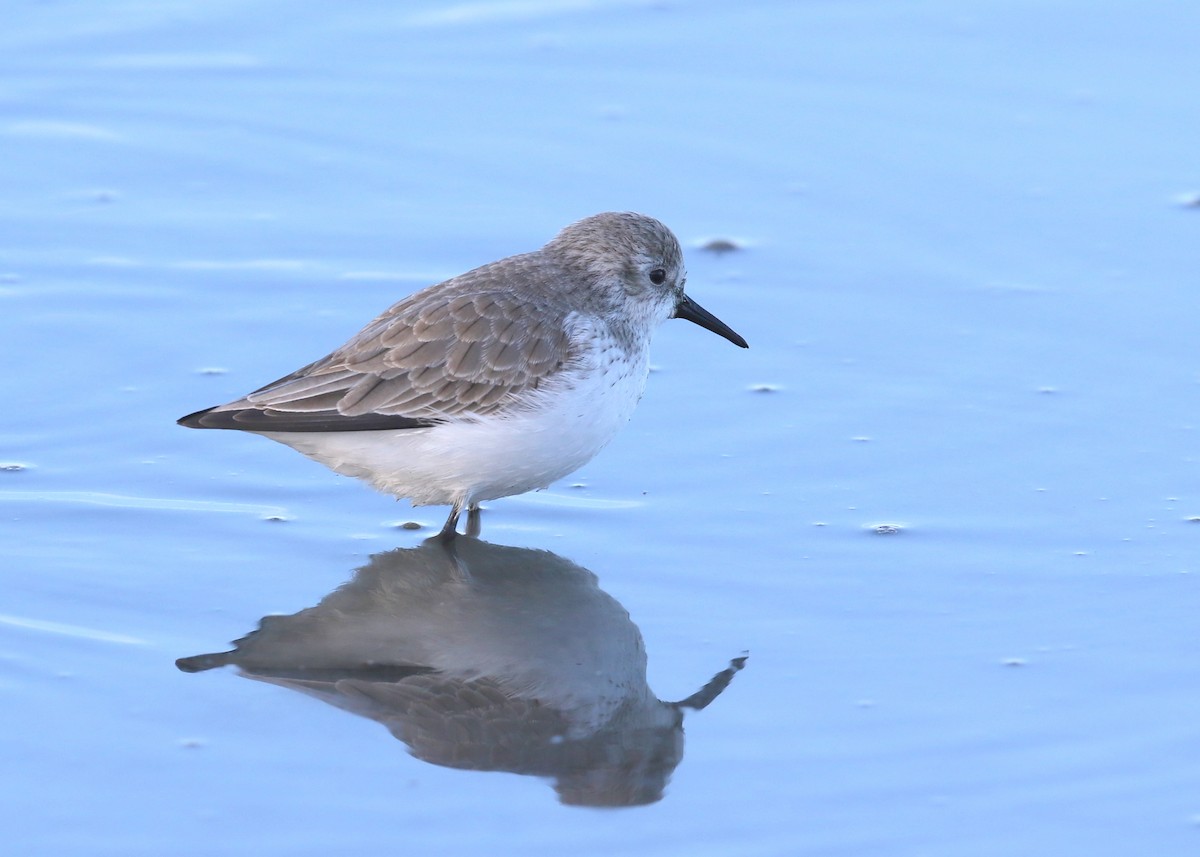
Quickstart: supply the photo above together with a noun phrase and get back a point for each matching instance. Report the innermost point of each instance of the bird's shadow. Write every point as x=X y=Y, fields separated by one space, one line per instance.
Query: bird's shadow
x=485 y=657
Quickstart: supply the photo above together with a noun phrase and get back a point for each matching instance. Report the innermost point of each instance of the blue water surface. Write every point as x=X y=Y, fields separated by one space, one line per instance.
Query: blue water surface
x=947 y=501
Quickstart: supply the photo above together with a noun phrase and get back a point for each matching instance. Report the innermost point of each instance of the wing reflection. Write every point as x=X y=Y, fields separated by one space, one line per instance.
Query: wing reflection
x=489 y=658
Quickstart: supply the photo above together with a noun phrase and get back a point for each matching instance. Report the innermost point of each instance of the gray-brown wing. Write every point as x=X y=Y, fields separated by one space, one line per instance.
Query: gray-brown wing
x=472 y=724
x=426 y=359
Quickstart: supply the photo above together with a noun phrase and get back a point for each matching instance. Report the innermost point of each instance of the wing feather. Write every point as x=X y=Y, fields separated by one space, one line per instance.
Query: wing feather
x=429 y=358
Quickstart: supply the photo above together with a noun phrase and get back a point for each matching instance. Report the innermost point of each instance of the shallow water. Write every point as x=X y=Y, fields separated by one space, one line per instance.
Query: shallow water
x=947 y=501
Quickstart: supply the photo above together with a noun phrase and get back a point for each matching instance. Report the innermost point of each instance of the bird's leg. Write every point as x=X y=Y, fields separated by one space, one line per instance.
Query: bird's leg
x=450 y=528
x=474 y=520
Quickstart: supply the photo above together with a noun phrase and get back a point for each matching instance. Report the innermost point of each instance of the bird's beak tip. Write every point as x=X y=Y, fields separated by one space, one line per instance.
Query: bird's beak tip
x=693 y=312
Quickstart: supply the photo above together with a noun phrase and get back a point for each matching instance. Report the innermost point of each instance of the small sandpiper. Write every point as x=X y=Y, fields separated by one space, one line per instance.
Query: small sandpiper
x=496 y=382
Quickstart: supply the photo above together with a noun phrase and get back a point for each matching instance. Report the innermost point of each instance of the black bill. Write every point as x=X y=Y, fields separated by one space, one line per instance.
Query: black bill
x=693 y=312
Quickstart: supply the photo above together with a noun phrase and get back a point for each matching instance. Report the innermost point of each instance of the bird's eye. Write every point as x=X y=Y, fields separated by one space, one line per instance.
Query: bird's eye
x=657 y=276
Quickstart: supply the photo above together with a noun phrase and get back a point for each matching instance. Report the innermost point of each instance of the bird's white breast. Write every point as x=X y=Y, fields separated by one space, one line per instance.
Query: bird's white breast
x=556 y=429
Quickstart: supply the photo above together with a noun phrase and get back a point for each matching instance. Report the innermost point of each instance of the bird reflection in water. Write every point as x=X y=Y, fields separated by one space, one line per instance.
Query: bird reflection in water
x=489 y=658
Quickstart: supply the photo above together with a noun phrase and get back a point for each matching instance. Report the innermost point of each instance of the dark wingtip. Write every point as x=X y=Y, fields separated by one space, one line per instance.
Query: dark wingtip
x=266 y=419
x=195 y=420
x=200 y=663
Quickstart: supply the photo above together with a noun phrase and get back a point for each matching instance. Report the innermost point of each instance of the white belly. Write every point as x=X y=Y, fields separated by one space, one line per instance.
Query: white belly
x=469 y=461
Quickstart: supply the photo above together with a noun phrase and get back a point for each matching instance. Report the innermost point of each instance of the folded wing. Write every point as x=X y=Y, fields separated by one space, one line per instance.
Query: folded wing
x=425 y=360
